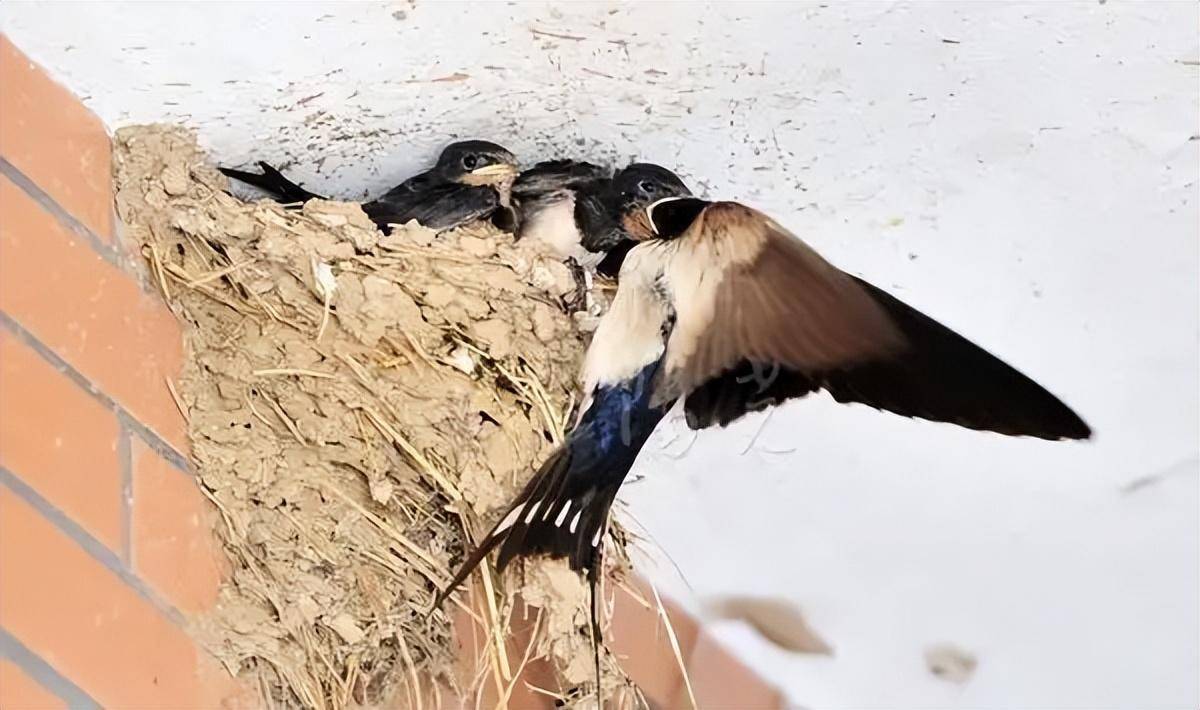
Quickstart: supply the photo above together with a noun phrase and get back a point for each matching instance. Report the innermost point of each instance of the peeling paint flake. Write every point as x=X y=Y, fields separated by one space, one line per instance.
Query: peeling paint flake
x=456 y=76
x=543 y=33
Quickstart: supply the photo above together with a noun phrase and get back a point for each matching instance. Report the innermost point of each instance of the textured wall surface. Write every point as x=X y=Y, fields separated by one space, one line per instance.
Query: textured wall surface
x=1026 y=173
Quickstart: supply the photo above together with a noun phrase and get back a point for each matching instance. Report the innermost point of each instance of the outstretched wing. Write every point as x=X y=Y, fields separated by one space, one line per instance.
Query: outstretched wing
x=761 y=318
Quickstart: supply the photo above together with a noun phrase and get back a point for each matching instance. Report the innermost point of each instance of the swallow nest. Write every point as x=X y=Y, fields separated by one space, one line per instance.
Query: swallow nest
x=359 y=406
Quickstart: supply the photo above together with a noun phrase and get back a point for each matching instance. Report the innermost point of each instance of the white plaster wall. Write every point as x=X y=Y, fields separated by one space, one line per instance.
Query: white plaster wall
x=1027 y=173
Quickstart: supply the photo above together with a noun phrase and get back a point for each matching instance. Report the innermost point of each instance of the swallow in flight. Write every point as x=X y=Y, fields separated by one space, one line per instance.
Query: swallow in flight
x=719 y=306
x=471 y=180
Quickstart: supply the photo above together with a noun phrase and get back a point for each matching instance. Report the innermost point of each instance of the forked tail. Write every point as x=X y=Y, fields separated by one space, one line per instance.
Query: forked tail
x=272 y=182
x=563 y=510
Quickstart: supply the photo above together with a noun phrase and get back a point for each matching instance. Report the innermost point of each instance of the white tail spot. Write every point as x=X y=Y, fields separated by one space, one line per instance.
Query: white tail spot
x=562 y=514
x=532 y=512
x=575 y=520
x=510 y=519
x=596 y=537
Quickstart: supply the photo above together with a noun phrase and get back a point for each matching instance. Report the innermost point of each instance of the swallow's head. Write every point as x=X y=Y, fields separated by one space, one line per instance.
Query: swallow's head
x=637 y=187
x=477 y=163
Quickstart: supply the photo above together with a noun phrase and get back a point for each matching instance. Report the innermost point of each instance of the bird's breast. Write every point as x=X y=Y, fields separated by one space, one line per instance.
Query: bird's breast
x=632 y=334
x=551 y=221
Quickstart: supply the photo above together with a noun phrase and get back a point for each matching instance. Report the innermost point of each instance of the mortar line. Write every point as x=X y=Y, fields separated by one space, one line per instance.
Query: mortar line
x=159 y=445
x=113 y=254
x=44 y=674
x=93 y=547
x=106 y=251
x=125 y=461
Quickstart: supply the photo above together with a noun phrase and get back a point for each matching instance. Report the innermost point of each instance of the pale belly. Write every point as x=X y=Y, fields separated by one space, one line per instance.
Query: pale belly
x=554 y=226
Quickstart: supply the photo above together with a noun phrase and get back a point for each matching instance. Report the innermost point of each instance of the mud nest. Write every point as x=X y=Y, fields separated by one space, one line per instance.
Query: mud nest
x=360 y=406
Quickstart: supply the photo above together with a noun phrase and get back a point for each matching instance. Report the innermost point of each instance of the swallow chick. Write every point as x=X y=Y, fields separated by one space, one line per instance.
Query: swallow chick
x=575 y=208
x=471 y=180
x=719 y=306
x=545 y=197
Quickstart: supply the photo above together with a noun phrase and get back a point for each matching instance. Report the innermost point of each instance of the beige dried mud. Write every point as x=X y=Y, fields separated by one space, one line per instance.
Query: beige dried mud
x=348 y=468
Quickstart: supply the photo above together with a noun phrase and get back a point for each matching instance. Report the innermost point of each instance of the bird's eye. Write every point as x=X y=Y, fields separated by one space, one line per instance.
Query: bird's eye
x=647 y=187
x=470 y=161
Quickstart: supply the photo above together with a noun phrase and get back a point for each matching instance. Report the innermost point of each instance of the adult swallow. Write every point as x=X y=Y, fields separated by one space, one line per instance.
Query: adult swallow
x=719 y=306
x=471 y=180
x=575 y=207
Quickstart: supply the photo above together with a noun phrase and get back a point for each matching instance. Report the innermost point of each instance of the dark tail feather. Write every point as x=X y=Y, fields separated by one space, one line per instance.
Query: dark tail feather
x=521 y=533
x=563 y=510
x=593 y=579
x=272 y=182
x=559 y=514
x=530 y=528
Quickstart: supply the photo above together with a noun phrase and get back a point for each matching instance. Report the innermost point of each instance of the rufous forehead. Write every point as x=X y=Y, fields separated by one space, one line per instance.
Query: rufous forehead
x=637 y=225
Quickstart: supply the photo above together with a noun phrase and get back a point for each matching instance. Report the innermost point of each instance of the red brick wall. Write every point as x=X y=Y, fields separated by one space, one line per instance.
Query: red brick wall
x=105 y=540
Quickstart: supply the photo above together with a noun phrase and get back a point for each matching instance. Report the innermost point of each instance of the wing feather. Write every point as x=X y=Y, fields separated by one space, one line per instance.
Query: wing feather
x=745 y=289
x=439 y=207
x=761 y=318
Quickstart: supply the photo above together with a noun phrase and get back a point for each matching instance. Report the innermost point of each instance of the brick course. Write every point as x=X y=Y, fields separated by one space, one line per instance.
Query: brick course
x=105 y=540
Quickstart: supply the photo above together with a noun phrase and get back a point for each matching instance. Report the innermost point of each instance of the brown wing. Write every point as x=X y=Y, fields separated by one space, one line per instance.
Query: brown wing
x=761 y=318
x=745 y=289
